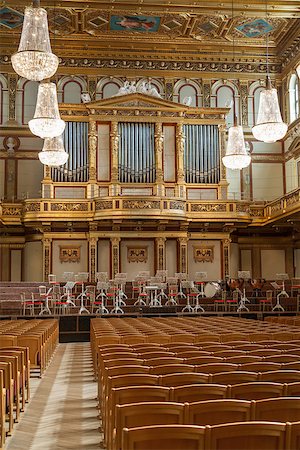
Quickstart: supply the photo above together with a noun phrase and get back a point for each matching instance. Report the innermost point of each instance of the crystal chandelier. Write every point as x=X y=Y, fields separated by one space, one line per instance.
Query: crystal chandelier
x=47 y=122
x=53 y=153
x=269 y=126
x=236 y=157
x=34 y=59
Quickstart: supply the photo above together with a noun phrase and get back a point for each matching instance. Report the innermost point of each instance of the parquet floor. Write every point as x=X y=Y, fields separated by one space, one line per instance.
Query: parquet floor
x=62 y=412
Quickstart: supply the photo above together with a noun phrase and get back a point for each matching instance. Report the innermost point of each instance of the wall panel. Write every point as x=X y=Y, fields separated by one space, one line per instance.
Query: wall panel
x=272 y=262
x=213 y=269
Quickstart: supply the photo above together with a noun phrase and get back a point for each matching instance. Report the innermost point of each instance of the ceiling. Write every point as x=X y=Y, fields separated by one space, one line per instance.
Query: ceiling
x=179 y=29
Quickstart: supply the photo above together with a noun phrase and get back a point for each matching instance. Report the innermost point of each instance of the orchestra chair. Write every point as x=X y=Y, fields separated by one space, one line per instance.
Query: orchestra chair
x=281 y=409
x=266 y=303
x=215 y=412
x=252 y=435
x=232 y=303
x=198 y=392
x=167 y=437
x=144 y=414
x=220 y=302
x=257 y=390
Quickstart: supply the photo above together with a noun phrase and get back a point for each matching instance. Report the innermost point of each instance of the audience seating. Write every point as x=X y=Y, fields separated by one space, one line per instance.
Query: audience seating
x=252 y=364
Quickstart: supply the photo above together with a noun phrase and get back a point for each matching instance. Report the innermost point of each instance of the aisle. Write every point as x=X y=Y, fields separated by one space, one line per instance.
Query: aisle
x=62 y=413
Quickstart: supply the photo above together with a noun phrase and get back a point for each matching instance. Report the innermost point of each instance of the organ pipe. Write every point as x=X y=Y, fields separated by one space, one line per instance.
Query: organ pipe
x=201 y=154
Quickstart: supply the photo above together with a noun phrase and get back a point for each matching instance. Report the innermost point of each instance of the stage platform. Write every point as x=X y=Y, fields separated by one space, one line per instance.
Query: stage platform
x=76 y=328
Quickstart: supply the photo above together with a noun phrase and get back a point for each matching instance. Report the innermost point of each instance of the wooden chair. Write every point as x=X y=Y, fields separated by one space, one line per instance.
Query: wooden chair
x=144 y=414
x=280 y=376
x=181 y=379
x=154 y=354
x=164 y=361
x=171 y=368
x=215 y=412
x=243 y=359
x=199 y=360
x=198 y=392
x=246 y=436
x=188 y=354
x=264 y=352
x=292 y=436
x=283 y=358
x=292 y=389
x=167 y=437
x=234 y=377
x=229 y=353
x=216 y=367
x=261 y=366
x=267 y=302
x=282 y=409
x=256 y=390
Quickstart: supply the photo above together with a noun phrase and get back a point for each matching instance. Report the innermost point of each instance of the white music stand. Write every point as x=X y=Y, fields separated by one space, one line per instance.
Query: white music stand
x=45 y=309
x=181 y=277
x=200 y=277
x=245 y=275
x=81 y=278
x=282 y=293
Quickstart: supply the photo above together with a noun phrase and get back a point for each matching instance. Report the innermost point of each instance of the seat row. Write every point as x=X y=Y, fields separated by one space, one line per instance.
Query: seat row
x=203 y=413
x=40 y=336
x=234 y=436
x=14 y=386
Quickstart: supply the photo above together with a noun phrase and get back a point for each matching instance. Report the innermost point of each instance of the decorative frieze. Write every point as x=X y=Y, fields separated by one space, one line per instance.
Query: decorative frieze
x=208 y=207
x=141 y=204
x=69 y=206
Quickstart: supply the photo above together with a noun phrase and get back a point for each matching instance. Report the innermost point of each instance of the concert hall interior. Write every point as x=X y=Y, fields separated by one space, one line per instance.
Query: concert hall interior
x=151 y=210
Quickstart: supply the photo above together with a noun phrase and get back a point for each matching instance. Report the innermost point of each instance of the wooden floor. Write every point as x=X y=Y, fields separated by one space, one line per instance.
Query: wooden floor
x=62 y=413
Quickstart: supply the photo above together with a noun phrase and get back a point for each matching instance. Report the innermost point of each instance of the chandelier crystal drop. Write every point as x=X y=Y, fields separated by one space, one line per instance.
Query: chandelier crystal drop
x=269 y=125
x=236 y=157
x=47 y=122
x=53 y=153
x=34 y=59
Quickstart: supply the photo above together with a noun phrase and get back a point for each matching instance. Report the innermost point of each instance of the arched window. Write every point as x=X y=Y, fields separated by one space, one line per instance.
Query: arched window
x=107 y=87
x=294 y=97
x=26 y=100
x=184 y=89
x=226 y=95
x=69 y=89
x=4 y=102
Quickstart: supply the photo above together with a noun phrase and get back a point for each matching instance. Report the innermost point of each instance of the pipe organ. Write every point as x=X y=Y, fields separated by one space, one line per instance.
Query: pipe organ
x=76 y=144
x=201 y=153
x=136 y=152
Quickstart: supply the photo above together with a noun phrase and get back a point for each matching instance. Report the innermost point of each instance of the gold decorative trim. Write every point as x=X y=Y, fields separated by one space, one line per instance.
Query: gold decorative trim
x=203 y=254
x=137 y=254
x=69 y=254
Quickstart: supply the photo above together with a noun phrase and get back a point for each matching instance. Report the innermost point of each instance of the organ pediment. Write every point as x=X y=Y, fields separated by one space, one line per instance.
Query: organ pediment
x=137 y=100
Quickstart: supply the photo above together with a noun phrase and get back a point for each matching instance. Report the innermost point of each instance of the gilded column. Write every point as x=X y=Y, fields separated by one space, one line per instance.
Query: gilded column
x=92 y=258
x=160 y=253
x=93 y=145
x=47 y=257
x=225 y=269
x=182 y=247
x=206 y=94
x=93 y=141
x=115 y=255
x=12 y=90
x=244 y=103
x=180 y=162
x=223 y=184
x=114 y=145
x=159 y=159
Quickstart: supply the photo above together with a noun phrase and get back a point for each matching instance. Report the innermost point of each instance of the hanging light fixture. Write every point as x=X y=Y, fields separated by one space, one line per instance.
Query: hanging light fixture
x=53 y=153
x=47 y=122
x=34 y=59
x=298 y=70
x=236 y=157
x=269 y=125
